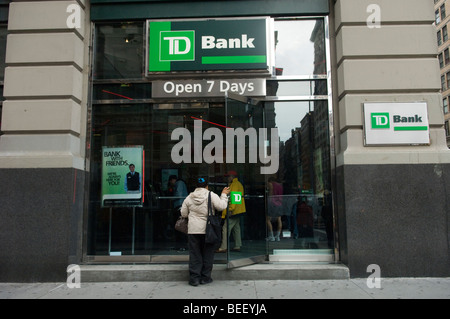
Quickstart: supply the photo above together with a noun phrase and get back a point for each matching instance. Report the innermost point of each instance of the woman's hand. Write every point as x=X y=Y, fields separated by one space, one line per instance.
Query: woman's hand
x=226 y=190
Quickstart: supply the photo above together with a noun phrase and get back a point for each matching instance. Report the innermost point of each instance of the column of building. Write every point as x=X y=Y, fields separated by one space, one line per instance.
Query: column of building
x=390 y=198
x=42 y=149
x=442 y=18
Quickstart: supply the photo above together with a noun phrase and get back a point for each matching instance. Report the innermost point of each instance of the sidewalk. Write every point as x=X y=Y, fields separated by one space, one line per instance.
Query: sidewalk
x=391 y=288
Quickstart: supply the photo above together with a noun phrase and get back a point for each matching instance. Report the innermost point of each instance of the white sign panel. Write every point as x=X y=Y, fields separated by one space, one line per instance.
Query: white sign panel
x=208 y=88
x=396 y=124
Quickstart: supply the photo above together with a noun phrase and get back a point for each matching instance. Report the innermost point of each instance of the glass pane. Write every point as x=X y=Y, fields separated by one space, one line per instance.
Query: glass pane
x=300 y=47
x=153 y=226
x=117 y=125
x=296 y=88
x=122 y=91
x=246 y=222
x=299 y=199
x=119 y=51
x=294 y=203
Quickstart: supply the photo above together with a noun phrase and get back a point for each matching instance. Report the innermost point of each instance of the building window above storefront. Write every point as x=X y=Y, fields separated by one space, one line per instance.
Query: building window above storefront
x=107 y=10
x=119 y=51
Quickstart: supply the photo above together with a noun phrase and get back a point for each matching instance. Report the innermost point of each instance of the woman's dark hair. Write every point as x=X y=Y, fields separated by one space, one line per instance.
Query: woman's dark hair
x=202 y=182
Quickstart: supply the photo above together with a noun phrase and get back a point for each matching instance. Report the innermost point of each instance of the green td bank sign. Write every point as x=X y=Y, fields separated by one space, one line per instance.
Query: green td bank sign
x=396 y=124
x=236 y=197
x=208 y=45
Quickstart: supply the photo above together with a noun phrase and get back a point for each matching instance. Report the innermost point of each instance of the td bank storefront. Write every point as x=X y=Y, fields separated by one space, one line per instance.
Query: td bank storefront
x=298 y=101
x=203 y=97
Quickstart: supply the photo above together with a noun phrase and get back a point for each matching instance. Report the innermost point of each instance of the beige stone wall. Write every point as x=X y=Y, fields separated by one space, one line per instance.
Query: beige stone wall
x=395 y=62
x=45 y=90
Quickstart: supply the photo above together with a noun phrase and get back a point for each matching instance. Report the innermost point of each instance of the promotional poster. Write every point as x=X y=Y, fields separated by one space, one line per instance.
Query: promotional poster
x=122 y=176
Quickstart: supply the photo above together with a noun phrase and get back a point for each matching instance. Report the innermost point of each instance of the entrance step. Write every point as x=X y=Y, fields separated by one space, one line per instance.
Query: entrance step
x=166 y=272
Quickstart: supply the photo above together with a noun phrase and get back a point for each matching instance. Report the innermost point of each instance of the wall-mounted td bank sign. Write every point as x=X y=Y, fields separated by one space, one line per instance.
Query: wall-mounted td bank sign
x=208 y=45
x=396 y=123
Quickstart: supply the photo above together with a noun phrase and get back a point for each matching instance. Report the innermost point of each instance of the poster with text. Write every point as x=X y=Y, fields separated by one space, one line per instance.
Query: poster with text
x=122 y=176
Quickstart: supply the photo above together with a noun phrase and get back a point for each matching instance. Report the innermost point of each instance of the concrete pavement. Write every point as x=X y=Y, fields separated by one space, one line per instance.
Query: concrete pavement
x=390 y=288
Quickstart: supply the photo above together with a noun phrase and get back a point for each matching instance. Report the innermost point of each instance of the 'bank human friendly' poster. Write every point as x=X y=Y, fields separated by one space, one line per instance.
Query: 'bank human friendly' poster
x=122 y=176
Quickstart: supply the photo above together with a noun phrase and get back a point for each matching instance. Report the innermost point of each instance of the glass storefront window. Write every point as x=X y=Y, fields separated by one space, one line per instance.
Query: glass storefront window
x=122 y=91
x=303 y=178
x=115 y=125
x=119 y=51
x=288 y=212
x=297 y=88
x=300 y=47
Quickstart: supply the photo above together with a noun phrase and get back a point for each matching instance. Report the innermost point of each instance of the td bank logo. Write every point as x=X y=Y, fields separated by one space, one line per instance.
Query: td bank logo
x=236 y=197
x=380 y=120
x=177 y=46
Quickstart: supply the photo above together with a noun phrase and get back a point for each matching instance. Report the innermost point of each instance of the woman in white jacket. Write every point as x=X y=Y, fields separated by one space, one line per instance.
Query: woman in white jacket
x=195 y=207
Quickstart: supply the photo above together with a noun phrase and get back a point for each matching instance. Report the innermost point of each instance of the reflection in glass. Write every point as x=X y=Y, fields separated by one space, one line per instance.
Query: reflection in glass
x=303 y=180
x=300 y=47
x=119 y=51
x=122 y=91
x=300 y=88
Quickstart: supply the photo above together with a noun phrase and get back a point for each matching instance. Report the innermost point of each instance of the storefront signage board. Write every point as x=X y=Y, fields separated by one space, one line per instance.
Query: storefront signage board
x=208 y=88
x=209 y=45
x=396 y=124
x=119 y=188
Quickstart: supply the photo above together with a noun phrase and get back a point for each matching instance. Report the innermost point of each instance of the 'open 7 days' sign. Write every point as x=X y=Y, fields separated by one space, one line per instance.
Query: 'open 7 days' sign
x=208 y=45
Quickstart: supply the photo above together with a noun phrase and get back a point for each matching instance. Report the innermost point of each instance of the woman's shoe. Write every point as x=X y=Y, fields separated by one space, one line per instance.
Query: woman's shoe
x=221 y=250
x=206 y=281
x=194 y=283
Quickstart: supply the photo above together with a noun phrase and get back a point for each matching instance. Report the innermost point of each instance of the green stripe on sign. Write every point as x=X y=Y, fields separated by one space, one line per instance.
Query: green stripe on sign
x=234 y=59
x=411 y=128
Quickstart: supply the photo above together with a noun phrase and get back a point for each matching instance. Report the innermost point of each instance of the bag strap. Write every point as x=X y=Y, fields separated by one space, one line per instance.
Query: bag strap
x=210 y=211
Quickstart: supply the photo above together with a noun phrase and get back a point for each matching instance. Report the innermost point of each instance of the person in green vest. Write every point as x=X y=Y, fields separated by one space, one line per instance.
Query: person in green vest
x=235 y=211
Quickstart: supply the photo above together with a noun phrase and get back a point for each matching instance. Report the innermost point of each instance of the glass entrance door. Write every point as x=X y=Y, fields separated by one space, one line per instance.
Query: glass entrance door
x=176 y=162
x=299 y=207
x=286 y=174
x=244 y=225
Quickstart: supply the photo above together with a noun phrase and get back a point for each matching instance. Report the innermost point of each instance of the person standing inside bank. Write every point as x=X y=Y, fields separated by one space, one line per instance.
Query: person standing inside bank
x=180 y=193
x=234 y=211
x=275 y=209
x=195 y=208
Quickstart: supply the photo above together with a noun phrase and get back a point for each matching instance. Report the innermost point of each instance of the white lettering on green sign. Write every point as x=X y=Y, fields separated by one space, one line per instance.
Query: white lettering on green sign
x=208 y=45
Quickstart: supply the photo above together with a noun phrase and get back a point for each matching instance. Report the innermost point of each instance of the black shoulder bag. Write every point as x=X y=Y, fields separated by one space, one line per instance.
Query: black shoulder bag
x=213 y=233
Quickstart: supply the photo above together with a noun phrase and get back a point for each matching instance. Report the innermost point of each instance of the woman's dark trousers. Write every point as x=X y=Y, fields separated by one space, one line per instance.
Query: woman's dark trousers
x=201 y=258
